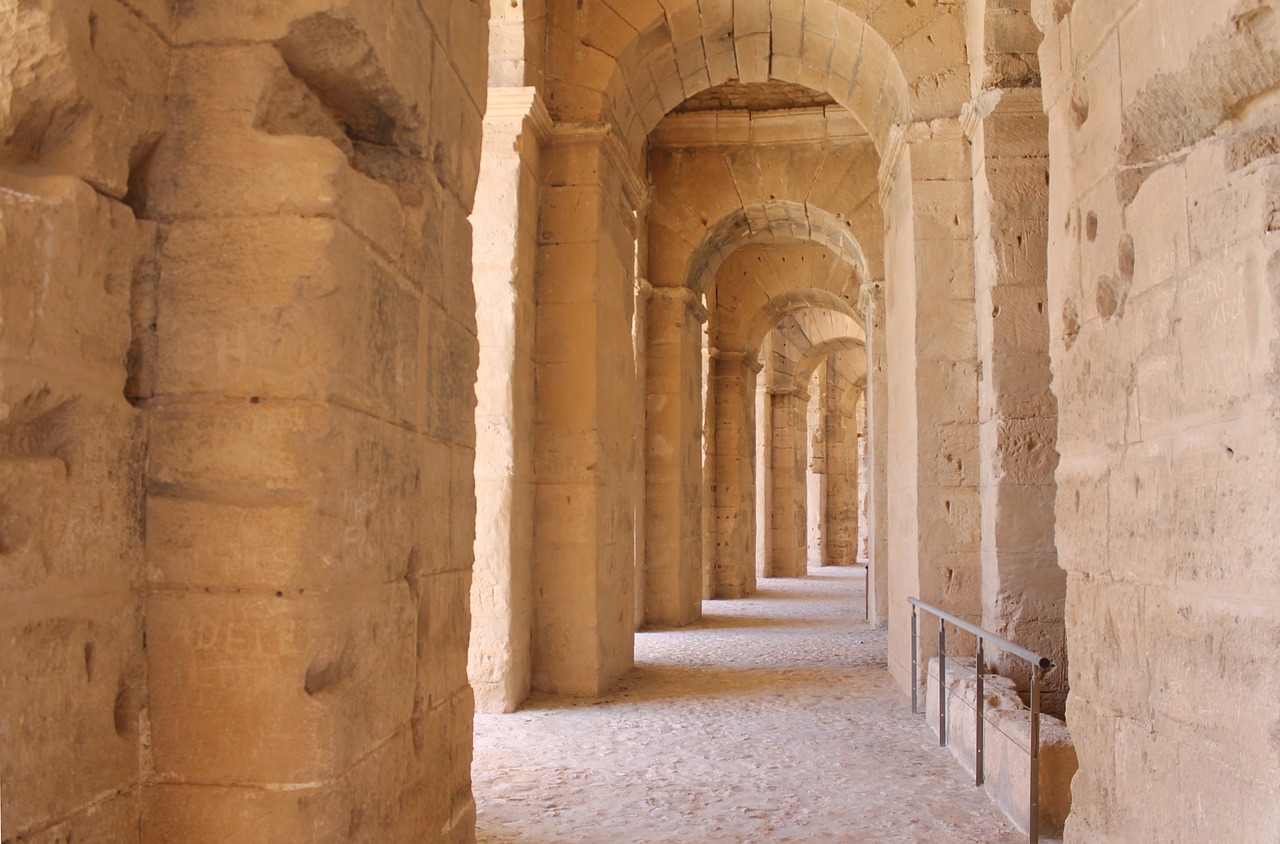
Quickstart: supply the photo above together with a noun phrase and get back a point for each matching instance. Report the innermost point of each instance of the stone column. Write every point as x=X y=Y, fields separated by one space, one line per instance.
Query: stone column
x=505 y=256
x=933 y=380
x=733 y=481
x=788 y=519
x=764 y=481
x=816 y=468
x=877 y=453
x=584 y=463
x=673 y=587
x=310 y=475
x=841 y=478
x=1023 y=589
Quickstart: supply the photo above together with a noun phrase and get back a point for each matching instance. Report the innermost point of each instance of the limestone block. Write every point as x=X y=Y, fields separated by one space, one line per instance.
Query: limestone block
x=265 y=142
x=72 y=491
x=1216 y=489
x=443 y=617
x=287 y=689
x=949 y=518
x=1006 y=735
x=326 y=318
x=86 y=90
x=68 y=257
x=73 y=685
x=226 y=532
x=1227 y=312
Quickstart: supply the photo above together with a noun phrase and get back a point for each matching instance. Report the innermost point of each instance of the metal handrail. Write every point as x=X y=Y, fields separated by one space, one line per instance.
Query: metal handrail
x=1038 y=663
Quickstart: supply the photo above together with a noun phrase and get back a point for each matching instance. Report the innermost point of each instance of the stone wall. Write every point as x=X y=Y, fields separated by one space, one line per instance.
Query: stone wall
x=73 y=670
x=294 y=326
x=1163 y=280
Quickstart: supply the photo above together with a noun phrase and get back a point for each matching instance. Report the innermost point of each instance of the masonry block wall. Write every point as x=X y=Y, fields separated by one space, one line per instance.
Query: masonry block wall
x=73 y=668
x=279 y=285
x=1163 y=281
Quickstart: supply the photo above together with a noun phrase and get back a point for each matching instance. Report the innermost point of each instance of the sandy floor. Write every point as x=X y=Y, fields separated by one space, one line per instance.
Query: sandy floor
x=772 y=720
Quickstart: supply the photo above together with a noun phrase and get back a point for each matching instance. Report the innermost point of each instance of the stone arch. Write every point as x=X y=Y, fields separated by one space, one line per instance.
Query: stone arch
x=779 y=220
x=655 y=58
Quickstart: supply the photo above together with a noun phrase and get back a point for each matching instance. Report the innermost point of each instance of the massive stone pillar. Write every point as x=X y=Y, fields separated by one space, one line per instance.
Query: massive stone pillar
x=72 y=449
x=1164 y=259
x=505 y=258
x=817 y=479
x=788 y=519
x=584 y=464
x=764 y=479
x=840 y=514
x=673 y=570
x=933 y=380
x=1023 y=589
x=877 y=453
x=733 y=480
x=311 y=506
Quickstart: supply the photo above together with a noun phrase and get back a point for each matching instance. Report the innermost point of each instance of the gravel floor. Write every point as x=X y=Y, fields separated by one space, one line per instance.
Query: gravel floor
x=772 y=720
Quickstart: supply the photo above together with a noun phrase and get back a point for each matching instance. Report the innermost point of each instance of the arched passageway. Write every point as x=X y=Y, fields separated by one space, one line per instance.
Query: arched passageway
x=771 y=719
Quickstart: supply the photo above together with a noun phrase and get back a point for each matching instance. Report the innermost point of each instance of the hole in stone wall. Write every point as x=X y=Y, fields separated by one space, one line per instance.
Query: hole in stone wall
x=1070 y=323
x=1079 y=110
x=1091 y=227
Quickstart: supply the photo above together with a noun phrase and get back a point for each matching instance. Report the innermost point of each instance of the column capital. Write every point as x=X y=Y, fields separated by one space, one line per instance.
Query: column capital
x=739 y=358
x=604 y=137
x=511 y=104
x=902 y=136
x=683 y=295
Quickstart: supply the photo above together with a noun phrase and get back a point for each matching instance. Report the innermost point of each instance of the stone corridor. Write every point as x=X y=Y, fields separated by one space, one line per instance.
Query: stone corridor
x=772 y=719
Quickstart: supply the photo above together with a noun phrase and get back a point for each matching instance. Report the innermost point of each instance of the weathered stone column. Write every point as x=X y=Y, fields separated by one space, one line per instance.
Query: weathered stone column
x=310 y=476
x=673 y=579
x=932 y=357
x=788 y=519
x=877 y=453
x=84 y=87
x=817 y=479
x=505 y=257
x=841 y=477
x=584 y=464
x=1023 y=589
x=733 y=482
x=764 y=478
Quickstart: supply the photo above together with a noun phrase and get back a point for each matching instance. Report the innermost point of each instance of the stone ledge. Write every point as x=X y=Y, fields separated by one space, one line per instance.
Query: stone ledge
x=1007 y=735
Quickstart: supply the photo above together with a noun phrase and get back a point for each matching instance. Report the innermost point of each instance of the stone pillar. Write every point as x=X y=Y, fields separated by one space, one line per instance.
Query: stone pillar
x=584 y=464
x=733 y=480
x=1023 y=589
x=77 y=99
x=817 y=479
x=933 y=380
x=842 y=469
x=673 y=580
x=1164 y=266
x=877 y=453
x=788 y=519
x=505 y=256
x=764 y=480
x=310 y=476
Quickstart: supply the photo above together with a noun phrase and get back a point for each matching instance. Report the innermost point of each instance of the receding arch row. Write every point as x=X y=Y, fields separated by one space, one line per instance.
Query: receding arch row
x=779 y=220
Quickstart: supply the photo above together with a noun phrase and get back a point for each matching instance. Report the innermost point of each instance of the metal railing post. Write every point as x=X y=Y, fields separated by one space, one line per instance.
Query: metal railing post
x=942 y=683
x=1039 y=665
x=1034 y=819
x=978 y=765
x=915 y=662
